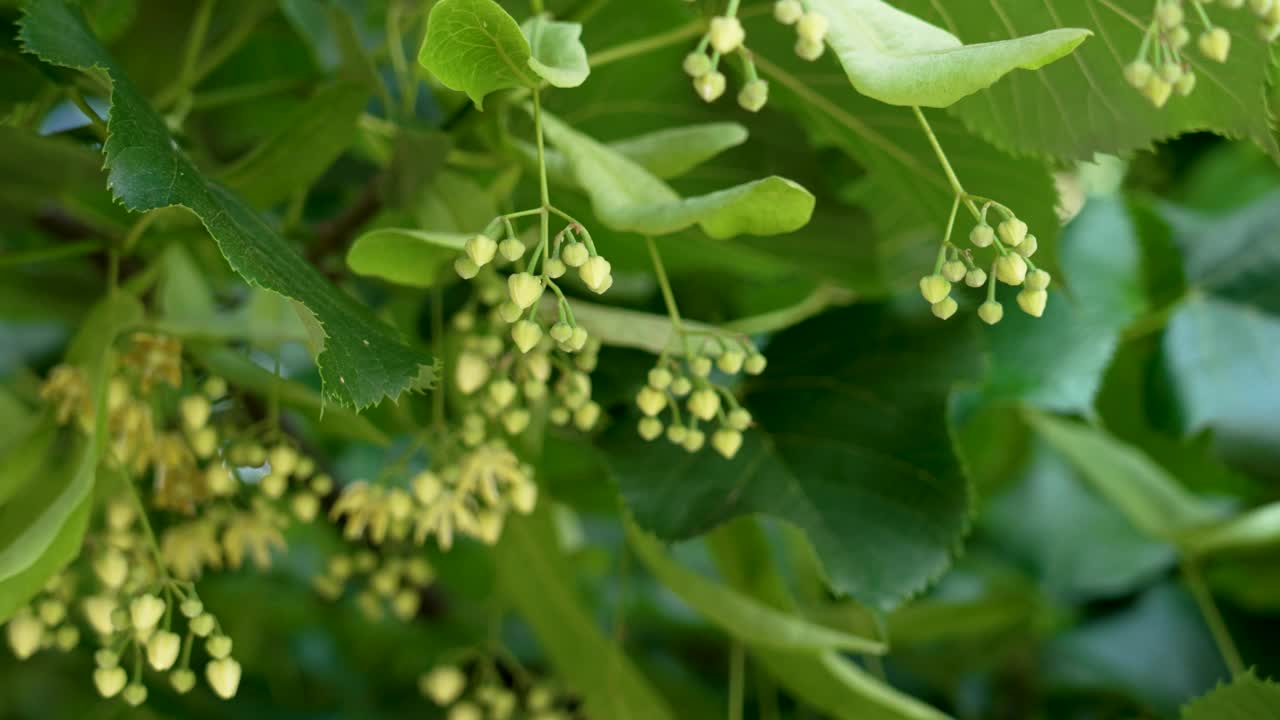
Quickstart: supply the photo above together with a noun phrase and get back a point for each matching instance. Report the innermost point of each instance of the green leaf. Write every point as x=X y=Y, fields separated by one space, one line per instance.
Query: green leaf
x=1258 y=528
x=1233 y=256
x=899 y=59
x=667 y=153
x=627 y=197
x=35 y=168
x=294 y=158
x=363 y=360
x=475 y=47
x=740 y=615
x=403 y=256
x=1244 y=698
x=1082 y=106
x=557 y=52
x=17 y=591
x=852 y=448
x=1151 y=499
x=26 y=456
x=33 y=517
x=538 y=582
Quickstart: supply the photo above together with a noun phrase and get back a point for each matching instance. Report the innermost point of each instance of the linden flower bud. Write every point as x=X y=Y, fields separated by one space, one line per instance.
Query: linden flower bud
x=694 y=440
x=726 y=34
x=559 y=416
x=224 y=677
x=283 y=460
x=110 y=681
x=812 y=26
x=677 y=433
x=204 y=442
x=1170 y=14
x=273 y=486
x=509 y=312
x=660 y=378
x=1011 y=269
x=709 y=86
x=554 y=268
x=1269 y=32
x=1186 y=84
x=104 y=658
x=427 y=487
x=1038 y=280
x=578 y=340
x=700 y=365
x=1137 y=73
x=524 y=289
x=466 y=711
x=52 y=612
x=145 y=611
x=977 y=277
x=809 y=49
x=526 y=335
x=191 y=608
x=481 y=249
x=755 y=363
x=787 y=12
x=135 y=694
x=945 y=309
x=730 y=361
x=982 y=235
x=195 y=410
x=162 y=649
x=511 y=249
x=524 y=497
x=1171 y=72
x=1012 y=232
x=650 y=428
x=218 y=646
x=934 y=288
x=1028 y=247
x=595 y=272
x=466 y=268
x=681 y=386
x=182 y=681
x=726 y=442
x=97 y=610
x=954 y=271
x=502 y=392
x=1032 y=302
x=202 y=625
x=25 y=633
x=753 y=96
x=585 y=417
x=443 y=685
x=112 y=568
x=739 y=419
x=1260 y=7
x=650 y=401
x=1179 y=37
x=515 y=421
x=1158 y=91
x=704 y=404
x=575 y=254
x=306 y=506
x=696 y=64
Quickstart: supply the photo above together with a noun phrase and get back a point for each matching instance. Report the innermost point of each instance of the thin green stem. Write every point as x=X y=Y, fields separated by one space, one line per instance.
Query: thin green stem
x=1212 y=617
x=649 y=44
x=536 y=7
x=664 y=283
x=437 y=336
x=95 y=121
x=737 y=680
x=395 y=51
x=195 y=42
x=232 y=41
x=544 y=218
x=946 y=164
x=60 y=252
x=152 y=543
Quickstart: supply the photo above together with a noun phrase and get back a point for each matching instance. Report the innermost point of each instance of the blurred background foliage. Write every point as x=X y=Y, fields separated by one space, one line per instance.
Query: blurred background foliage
x=1149 y=393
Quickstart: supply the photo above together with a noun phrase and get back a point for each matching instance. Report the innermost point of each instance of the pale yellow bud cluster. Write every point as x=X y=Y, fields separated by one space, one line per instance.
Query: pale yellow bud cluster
x=451 y=687
x=154 y=359
x=725 y=35
x=672 y=384
x=1014 y=246
x=389 y=581
x=46 y=622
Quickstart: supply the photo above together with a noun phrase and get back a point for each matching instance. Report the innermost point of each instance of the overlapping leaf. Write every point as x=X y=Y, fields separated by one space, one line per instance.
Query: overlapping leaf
x=556 y=51
x=363 y=360
x=474 y=46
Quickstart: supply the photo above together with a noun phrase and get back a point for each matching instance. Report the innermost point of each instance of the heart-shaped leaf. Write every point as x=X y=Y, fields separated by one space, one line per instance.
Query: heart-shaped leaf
x=557 y=52
x=475 y=47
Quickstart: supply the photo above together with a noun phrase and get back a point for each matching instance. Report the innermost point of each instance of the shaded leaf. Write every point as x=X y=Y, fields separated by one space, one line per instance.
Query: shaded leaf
x=405 y=257
x=1244 y=698
x=17 y=591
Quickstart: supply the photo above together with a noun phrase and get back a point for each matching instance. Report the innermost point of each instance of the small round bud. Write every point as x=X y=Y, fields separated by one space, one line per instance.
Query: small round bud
x=730 y=361
x=561 y=332
x=726 y=442
x=1260 y=7
x=991 y=312
x=112 y=568
x=466 y=268
x=1158 y=90
x=1179 y=37
x=511 y=249
x=182 y=681
x=1171 y=72
x=697 y=64
x=471 y=373
x=1011 y=269
x=709 y=86
x=515 y=421
x=739 y=419
x=559 y=416
x=203 y=625
x=660 y=378
x=574 y=254
x=934 y=288
x=755 y=363
x=195 y=410
x=480 y=249
x=144 y=612
x=554 y=268
x=191 y=608
x=677 y=433
x=1032 y=302
x=1028 y=247
x=1269 y=32
x=1137 y=73
x=977 y=277
x=809 y=49
x=753 y=96
x=812 y=26
x=1216 y=44
x=650 y=428
x=944 y=309
x=700 y=366
x=1170 y=14
x=135 y=694
x=1038 y=280
x=215 y=387
x=595 y=273
x=578 y=340
x=1012 y=232
x=694 y=439
x=25 y=633
x=502 y=392
x=110 y=681
x=1186 y=84
x=305 y=506
x=787 y=12
x=954 y=271
x=681 y=386
x=585 y=417
x=526 y=335
x=509 y=312
x=650 y=401
x=105 y=658
x=223 y=675
x=982 y=235
x=162 y=649
x=524 y=290
x=704 y=404
x=726 y=34
x=97 y=610
x=218 y=646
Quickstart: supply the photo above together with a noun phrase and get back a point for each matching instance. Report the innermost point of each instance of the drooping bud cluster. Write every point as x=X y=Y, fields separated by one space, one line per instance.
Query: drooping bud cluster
x=388 y=581
x=472 y=695
x=1012 y=265
x=1161 y=68
x=811 y=27
x=689 y=383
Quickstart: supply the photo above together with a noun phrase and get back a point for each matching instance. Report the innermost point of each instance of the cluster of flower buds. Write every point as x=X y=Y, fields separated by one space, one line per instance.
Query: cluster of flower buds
x=223 y=536
x=390 y=580
x=45 y=623
x=811 y=27
x=486 y=697
x=1161 y=68
x=672 y=383
x=1012 y=265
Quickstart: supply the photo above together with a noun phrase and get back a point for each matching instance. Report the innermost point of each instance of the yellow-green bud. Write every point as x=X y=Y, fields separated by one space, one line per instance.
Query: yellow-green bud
x=218 y=646
x=135 y=694
x=977 y=277
x=1011 y=269
x=1186 y=84
x=524 y=290
x=1215 y=44
x=700 y=365
x=511 y=249
x=1179 y=37
x=25 y=633
x=595 y=273
x=554 y=268
x=676 y=434
x=787 y=12
x=1170 y=14
x=1170 y=72
x=709 y=86
x=1137 y=73
x=162 y=649
x=1038 y=280
x=726 y=442
x=726 y=34
x=515 y=421
x=1012 y=232
x=812 y=26
x=471 y=373
x=585 y=417
x=660 y=378
x=944 y=309
x=681 y=386
x=202 y=625
x=578 y=340
x=182 y=681
x=704 y=404
x=223 y=675
x=954 y=271
x=755 y=363
x=982 y=235
x=650 y=428
x=694 y=439
x=1028 y=247
x=1158 y=90
x=480 y=249
x=1260 y=7
x=561 y=332
x=526 y=334
x=651 y=401
x=574 y=254
x=145 y=612
x=110 y=681
x=97 y=610
x=754 y=95
x=934 y=288
x=502 y=392
x=1032 y=302
x=466 y=268
x=195 y=410
x=730 y=361
x=696 y=64
x=739 y=419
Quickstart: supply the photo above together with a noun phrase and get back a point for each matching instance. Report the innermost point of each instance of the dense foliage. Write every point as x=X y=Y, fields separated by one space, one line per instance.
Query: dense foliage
x=623 y=359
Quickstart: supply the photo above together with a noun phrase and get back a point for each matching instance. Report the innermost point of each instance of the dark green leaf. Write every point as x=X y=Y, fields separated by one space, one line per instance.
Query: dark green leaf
x=1245 y=698
x=16 y=591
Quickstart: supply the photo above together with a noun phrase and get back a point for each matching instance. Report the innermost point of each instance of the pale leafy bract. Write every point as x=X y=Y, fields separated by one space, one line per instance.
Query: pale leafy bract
x=363 y=359
x=475 y=47
x=899 y=59
x=404 y=256
x=557 y=54
x=627 y=197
